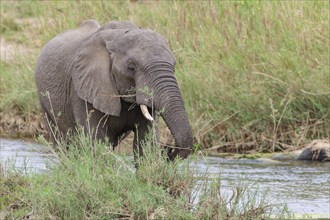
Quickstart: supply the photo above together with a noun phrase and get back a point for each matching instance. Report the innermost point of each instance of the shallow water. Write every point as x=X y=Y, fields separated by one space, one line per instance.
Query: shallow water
x=24 y=156
x=304 y=186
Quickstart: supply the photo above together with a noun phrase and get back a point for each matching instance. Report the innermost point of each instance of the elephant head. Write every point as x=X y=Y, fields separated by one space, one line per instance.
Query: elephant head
x=137 y=66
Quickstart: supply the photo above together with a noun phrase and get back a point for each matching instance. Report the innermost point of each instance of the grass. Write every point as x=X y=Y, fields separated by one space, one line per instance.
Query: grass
x=19 y=89
x=254 y=75
x=91 y=182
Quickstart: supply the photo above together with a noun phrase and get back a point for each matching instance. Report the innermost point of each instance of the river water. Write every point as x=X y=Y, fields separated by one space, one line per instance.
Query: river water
x=303 y=186
x=24 y=156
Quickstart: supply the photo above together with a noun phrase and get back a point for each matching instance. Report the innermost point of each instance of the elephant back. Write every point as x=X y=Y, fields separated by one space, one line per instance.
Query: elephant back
x=54 y=66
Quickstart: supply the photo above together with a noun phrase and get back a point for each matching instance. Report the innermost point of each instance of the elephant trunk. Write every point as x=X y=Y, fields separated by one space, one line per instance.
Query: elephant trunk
x=168 y=101
x=176 y=119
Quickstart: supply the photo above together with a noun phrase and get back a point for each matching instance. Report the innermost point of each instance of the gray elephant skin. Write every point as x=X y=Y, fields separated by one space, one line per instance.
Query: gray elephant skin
x=102 y=77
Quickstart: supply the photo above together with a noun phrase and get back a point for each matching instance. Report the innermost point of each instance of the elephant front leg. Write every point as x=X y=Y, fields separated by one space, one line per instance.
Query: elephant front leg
x=144 y=133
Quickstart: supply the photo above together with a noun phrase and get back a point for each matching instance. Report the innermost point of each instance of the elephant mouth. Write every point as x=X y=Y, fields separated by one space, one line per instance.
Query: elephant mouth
x=128 y=95
x=131 y=98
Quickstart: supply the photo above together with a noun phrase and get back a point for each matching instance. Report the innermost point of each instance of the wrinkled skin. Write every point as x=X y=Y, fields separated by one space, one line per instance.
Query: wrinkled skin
x=87 y=76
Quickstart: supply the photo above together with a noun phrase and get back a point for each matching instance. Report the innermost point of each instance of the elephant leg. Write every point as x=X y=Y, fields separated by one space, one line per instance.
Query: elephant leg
x=142 y=134
x=52 y=126
x=97 y=127
x=93 y=122
x=49 y=125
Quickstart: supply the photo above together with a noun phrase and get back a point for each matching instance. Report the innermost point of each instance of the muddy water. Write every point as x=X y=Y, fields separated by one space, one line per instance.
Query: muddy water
x=304 y=186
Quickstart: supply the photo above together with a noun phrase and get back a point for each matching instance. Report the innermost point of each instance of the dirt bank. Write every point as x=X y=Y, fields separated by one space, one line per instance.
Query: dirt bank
x=17 y=125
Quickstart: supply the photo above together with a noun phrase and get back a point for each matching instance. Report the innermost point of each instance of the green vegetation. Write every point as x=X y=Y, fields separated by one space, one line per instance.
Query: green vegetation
x=254 y=75
x=91 y=182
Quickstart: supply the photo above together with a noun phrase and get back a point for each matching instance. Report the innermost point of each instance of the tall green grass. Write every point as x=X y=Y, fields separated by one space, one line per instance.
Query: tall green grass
x=254 y=75
x=91 y=182
x=18 y=89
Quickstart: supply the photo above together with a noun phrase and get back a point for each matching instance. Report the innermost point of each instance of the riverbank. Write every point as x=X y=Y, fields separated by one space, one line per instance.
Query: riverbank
x=18 y=125
x=254 y=76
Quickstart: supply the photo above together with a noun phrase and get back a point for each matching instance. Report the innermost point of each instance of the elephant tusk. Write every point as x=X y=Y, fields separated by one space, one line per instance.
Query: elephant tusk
x=146 y=113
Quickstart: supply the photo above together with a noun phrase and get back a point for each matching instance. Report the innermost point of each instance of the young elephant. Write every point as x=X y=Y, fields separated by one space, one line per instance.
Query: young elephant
x=107 y=79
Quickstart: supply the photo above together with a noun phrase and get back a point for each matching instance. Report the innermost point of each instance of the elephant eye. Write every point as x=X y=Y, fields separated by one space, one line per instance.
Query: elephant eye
x=131 y=68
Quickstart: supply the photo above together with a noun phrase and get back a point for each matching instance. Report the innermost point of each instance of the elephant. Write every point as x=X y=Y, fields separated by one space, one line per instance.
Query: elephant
x=111 y=80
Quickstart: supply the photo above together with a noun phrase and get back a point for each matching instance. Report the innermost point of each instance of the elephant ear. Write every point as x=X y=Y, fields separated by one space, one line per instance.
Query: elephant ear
x=92 y=77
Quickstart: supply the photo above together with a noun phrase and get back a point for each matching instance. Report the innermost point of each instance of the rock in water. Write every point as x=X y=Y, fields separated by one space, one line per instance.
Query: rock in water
x=317 y=150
